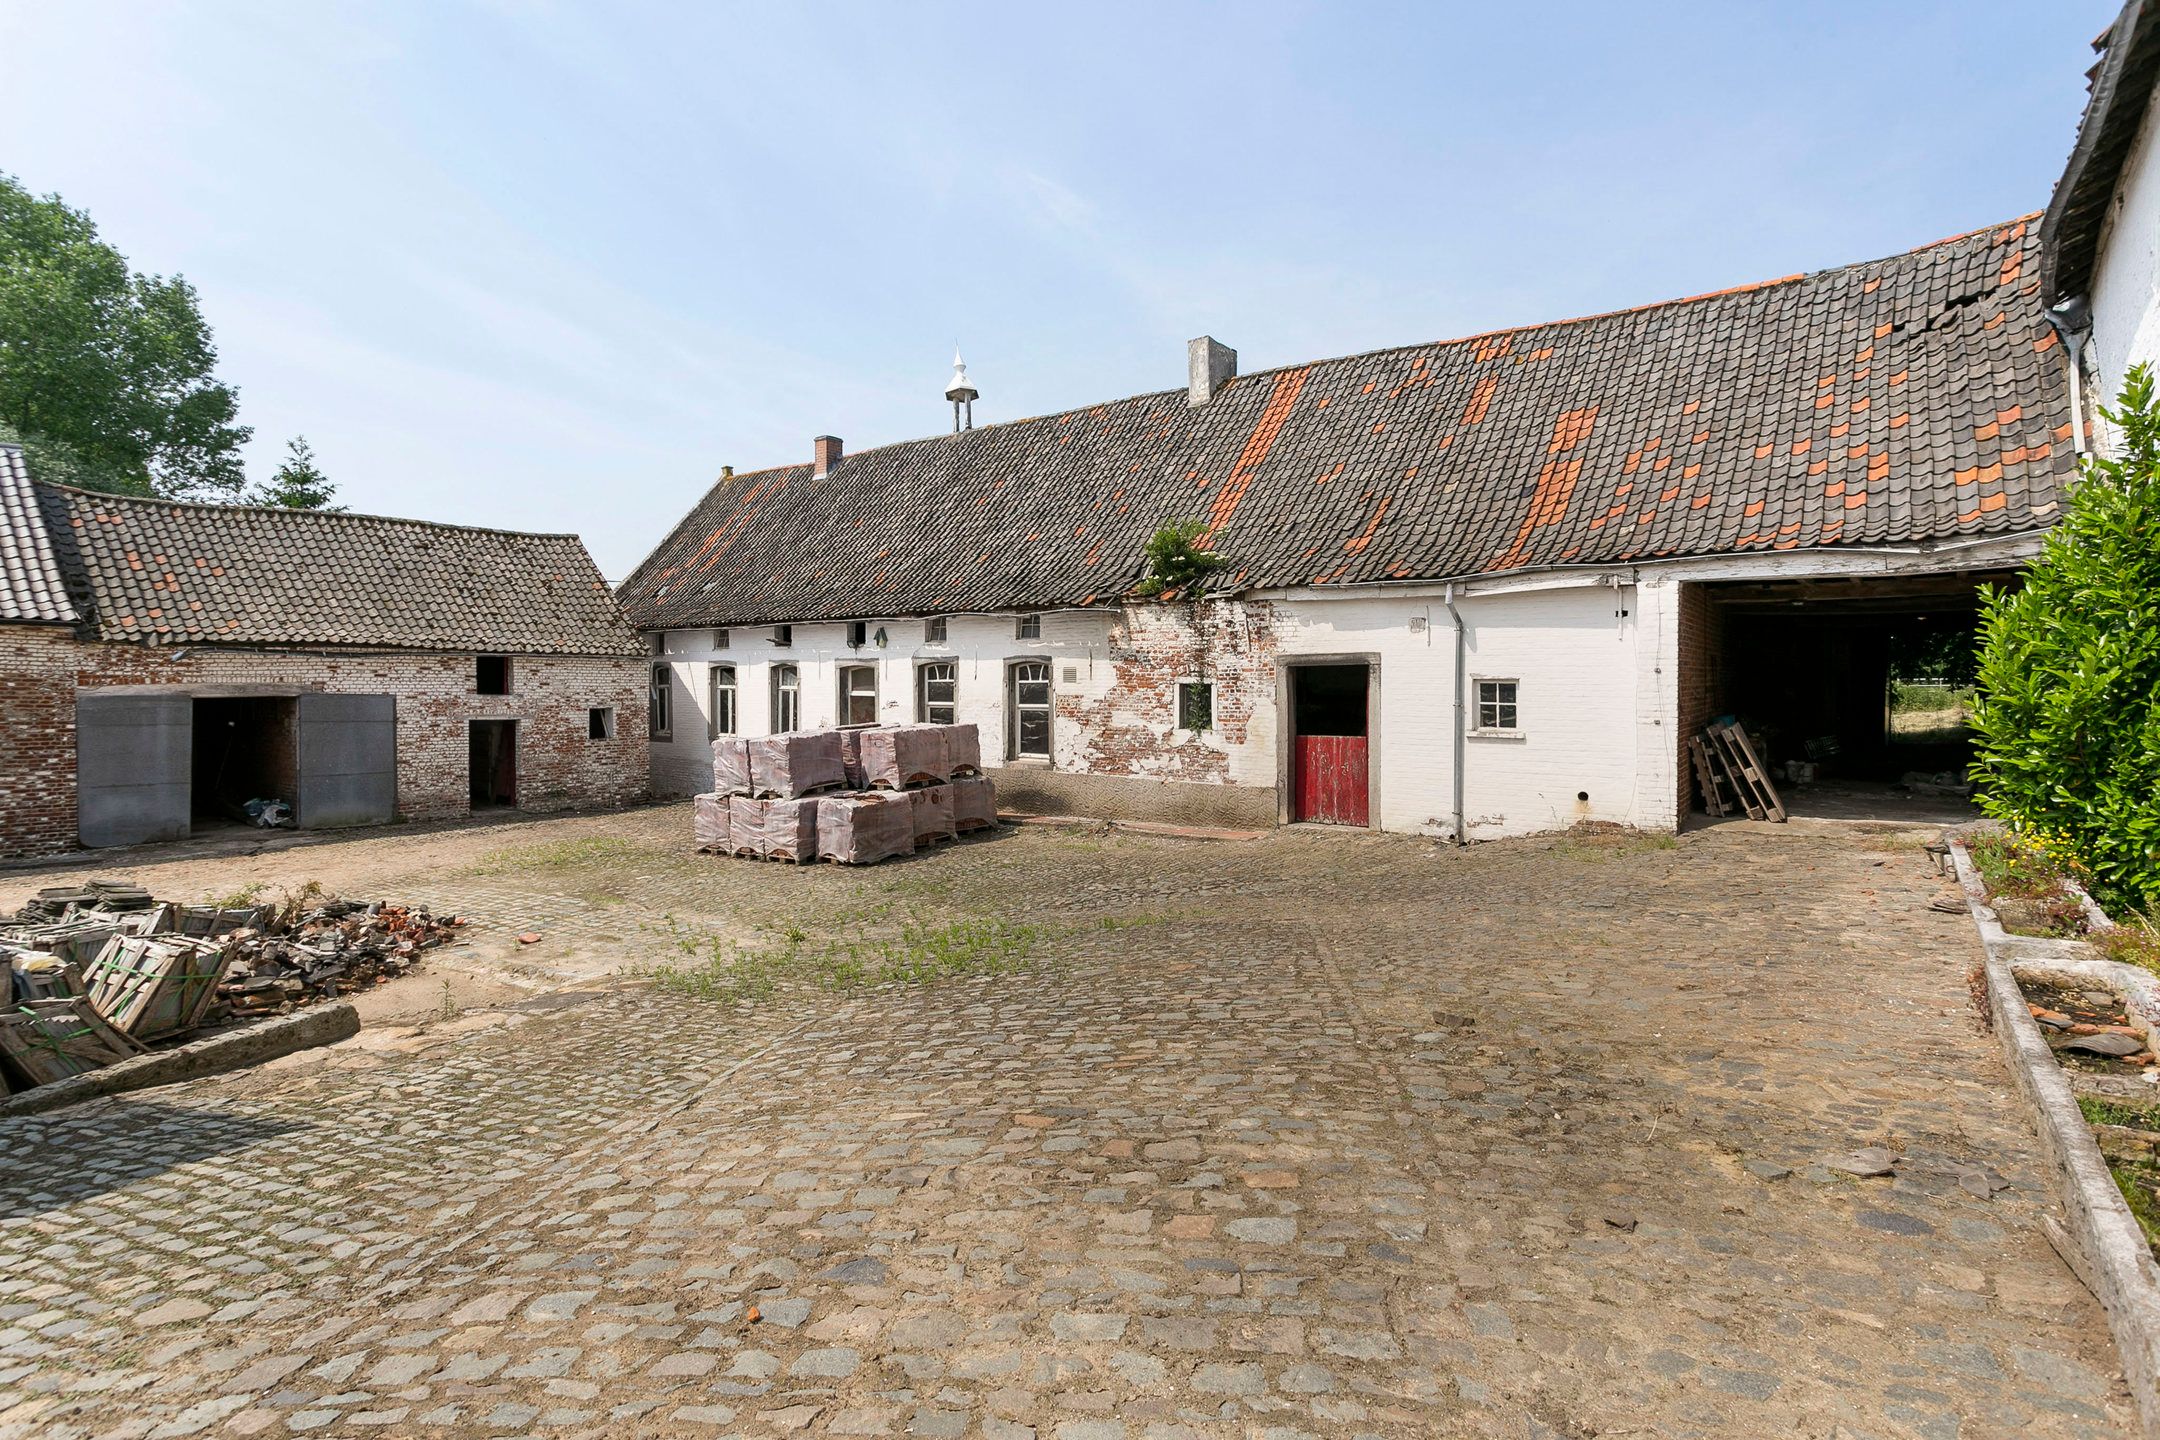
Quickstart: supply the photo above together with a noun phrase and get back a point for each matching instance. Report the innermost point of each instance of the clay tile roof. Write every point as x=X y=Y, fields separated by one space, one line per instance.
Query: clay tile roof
x=1837 y=409
x=155 y=571
x=31 y=587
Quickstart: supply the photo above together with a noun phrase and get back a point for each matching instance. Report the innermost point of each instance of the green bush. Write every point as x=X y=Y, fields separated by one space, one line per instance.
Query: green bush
x=2068 y=720
x=1178 y=558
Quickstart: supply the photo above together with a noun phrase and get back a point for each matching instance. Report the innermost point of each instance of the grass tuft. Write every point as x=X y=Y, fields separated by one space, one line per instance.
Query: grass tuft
x=922 y=949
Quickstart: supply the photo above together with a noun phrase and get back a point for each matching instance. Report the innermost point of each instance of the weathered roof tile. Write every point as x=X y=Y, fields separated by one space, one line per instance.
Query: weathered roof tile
x=1490 y=453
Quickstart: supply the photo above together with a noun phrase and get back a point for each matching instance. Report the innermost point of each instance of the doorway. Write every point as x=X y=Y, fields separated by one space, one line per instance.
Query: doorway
x=244 y=749
x=1330 y=740
x=494 y=764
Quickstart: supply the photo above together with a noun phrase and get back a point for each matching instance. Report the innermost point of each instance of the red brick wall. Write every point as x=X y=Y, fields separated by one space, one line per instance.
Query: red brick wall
x=1702 y=652
x=1130 y=730
x=37 y=739
x=558 y=766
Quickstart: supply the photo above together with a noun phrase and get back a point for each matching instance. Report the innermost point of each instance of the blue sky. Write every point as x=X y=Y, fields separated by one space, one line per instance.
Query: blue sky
x=550 y=266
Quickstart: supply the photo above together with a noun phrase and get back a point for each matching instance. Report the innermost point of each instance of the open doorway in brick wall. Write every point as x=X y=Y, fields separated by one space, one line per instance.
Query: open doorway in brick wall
x=1856 y=692
x=494 y=764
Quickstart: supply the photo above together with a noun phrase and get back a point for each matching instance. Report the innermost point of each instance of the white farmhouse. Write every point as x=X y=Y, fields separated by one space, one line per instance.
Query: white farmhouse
x=2100 y=257
x=1474 y=588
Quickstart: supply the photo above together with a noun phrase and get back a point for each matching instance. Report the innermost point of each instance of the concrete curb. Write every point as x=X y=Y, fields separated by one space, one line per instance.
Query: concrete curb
x=2101 y=1240
x=302 y=1030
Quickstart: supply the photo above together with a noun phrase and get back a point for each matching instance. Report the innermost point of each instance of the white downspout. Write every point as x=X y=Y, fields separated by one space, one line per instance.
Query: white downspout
x=1447 y=598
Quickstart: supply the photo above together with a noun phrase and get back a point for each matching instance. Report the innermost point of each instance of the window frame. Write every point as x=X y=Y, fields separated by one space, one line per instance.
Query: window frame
x=785 y=681
x=602 y=717
x=715 y=688
x=1177 y=717
x=783 y=636
x=845 y=714
x=936 y=630
x=1014 y=707
x=660 y=703
x=719 y=639
x=1028 y=627
x=923 y=702
x=657 y=643
x=1509 y=706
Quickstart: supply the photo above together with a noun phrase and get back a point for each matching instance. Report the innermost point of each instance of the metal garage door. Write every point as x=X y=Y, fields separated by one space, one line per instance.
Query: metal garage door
x=132 y=755
x=348 y=760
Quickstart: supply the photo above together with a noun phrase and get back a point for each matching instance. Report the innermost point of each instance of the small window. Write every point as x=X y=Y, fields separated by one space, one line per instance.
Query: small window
x=1030 y=703
x=858 y=695
x=723 y=702
x=937 y=687
x=658 y=642
x=1029 y=628
x=933 y=630
x=662 y=708
x=491 y=675
x=1496 y=705
x=858 y=633
x=786 y=699
x=783 y=635
x=719 y=639
x=1195 y=705
x=600 y=723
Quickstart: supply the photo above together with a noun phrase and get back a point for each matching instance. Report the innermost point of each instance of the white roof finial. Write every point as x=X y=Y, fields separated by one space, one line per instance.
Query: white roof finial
x=961 y=387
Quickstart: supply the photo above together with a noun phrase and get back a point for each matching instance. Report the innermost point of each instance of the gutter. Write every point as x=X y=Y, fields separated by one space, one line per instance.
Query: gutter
x=2072 y=321
x=1455 y=816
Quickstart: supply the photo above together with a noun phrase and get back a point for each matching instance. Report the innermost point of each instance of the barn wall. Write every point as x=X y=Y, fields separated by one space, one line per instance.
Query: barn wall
x=559 y=767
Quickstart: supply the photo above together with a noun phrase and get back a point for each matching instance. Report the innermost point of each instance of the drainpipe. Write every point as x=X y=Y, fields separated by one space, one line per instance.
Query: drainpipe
x=1462 y=657
x=2070 y=321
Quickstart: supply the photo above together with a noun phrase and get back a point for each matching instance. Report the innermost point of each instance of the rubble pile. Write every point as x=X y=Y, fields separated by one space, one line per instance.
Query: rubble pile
x=90 y=974
x=852 y=796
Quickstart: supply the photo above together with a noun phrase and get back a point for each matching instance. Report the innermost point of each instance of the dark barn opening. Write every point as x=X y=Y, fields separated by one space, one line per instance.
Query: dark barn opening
x=1864 y=683
x=494 y=764
x=243 y=748
x=1328 y=699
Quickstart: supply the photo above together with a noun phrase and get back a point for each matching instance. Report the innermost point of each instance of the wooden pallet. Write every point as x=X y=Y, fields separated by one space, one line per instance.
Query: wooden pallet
x=42 y=1041
x=1708 y=781
x=149 y=986
x=1730 y=744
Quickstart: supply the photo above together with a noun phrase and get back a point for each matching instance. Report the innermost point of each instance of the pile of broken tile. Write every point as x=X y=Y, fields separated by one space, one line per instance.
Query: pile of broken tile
x=97 y=972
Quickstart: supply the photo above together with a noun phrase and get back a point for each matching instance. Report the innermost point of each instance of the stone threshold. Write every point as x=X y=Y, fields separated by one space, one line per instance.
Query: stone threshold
x=2098 y=1238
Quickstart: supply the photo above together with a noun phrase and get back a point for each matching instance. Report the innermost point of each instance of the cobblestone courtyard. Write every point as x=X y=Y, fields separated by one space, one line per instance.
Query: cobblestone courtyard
x=1319 y=1134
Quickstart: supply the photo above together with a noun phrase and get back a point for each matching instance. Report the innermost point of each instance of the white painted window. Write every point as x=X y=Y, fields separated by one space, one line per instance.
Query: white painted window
x=1029 y=628
x=661 y=710
x=1030 y=709
x=1195 y=705
x=858 y=695
x=933 y=630
x=786 y=699
x=723 y=701
x=1496 y=710
x=719 y=639
x=937 y=692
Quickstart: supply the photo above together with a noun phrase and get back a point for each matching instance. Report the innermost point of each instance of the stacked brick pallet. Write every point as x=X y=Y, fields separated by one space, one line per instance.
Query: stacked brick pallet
x=852 y=796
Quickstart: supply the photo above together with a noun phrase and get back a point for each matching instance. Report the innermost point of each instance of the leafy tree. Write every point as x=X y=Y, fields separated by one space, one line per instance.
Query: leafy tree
x=2068 y=723
x=298 y=483
x=1177 y=558
x=105 y=375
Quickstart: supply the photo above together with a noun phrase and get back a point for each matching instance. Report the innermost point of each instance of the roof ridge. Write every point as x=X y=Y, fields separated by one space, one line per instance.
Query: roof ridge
x=214 y=507
x=1647 y=306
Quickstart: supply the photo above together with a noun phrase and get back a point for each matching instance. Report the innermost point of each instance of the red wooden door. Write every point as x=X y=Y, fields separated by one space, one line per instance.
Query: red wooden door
x=1330 y=781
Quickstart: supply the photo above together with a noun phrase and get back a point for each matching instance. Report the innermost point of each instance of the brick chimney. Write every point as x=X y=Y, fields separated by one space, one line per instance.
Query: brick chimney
x=1209 y=365
x=828 y=455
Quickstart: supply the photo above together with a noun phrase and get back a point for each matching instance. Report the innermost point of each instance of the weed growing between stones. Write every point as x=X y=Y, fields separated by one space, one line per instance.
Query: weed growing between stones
x=924 y=948
x=560 y=855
